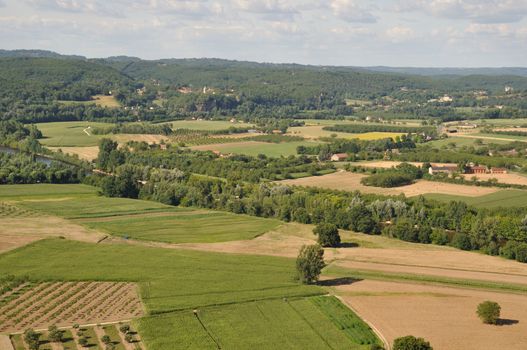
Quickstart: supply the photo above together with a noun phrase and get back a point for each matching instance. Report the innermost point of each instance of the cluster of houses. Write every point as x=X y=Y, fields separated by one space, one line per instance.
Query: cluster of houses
x=471 y=169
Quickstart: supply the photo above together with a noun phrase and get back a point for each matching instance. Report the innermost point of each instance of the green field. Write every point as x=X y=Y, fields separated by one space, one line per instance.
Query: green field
x=253 y=148
x=175 y=280
x=502 y=121
x=304 y=323
x=464 y=141
x=69 y=134
x=502 y=198
x=504 y=137
x=187 y=226
x=14 y=192
x=94 y=206
x=207 y=125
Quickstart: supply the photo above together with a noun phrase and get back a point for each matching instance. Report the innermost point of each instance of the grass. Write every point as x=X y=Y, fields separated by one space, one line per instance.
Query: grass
x=113 y=333
x=300 y=323
x=503 y=137
x=188 y=226
x=253 y=148
x=93 y=341
x=207 y=125
x=69 y=134
x=16 y=192
x=68 y=343
x=17 y=341
x=94 y=206
x=503 y=198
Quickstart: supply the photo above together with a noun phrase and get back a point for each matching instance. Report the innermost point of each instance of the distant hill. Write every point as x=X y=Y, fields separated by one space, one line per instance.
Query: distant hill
x=37 y=54
x=517 y=71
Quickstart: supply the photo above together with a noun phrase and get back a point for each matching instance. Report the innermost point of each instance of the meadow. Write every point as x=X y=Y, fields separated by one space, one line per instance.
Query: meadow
x=502 y=198
x=70 y=134
x=186 y=226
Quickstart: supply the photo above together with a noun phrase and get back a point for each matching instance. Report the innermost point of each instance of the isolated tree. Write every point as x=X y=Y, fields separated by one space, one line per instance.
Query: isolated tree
x=489 y=312
x=410 y=342
x=32 y=339
x=106 y=339
x=54 y=334
x=309 y=263
x=328 y=235
x=128 y=337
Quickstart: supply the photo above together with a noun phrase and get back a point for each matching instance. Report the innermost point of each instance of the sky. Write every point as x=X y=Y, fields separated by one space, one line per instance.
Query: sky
x=409 y=33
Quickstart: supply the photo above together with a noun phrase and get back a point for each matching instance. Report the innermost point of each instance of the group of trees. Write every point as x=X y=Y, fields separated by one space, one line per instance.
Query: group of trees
x=23 y=168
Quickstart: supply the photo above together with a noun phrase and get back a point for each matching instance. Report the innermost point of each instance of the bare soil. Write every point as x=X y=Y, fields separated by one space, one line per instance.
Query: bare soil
x=444 y=316
x=17 y=232
x=347 y=181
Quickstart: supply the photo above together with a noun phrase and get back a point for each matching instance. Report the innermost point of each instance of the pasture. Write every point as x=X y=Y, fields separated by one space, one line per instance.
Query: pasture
x=69 y=134
x=185 y=226
x=503 y=198
x=346 y=181
x=254 y=148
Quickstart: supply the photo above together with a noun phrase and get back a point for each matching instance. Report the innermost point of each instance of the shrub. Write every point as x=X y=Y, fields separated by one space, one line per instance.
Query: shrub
x=411 y=343
x=328 y=235
x=309 y=263
x=509 y=250
x=83 y=342
x=461 y=241
x=124 y=328
x=489 y=312
x=521 y=252
x=439 y=236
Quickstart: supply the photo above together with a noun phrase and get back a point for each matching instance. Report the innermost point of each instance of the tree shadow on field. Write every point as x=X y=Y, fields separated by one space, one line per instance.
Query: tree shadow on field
x=348 y=245
x=506 y=322
x=338 y=281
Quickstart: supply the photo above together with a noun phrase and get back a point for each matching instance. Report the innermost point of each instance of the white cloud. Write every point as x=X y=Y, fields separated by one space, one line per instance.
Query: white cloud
x=79 y=6
x=399 y=34
x=480 y=11
x=351 y=11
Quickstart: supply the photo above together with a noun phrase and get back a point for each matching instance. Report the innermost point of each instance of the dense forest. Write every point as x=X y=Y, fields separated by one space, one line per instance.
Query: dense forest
x=38 y=86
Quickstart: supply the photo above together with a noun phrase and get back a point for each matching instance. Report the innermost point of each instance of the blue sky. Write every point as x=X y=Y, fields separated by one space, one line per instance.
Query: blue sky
x=466 y=33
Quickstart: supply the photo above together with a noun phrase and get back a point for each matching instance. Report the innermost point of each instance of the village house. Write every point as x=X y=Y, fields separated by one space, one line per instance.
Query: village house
x=338 y=157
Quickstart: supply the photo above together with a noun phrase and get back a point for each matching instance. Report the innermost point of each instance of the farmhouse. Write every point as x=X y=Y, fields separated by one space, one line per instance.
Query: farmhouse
x=498 y=170
x=478 y=169
x=445 y=169
x=338 y=157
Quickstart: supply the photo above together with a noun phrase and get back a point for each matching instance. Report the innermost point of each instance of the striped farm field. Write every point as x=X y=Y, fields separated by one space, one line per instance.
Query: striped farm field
x=68 y=303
